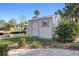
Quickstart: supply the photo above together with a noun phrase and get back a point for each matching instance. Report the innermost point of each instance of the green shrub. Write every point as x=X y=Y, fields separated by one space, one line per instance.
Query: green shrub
x=76 y=27
x=67 y=30
x=21 y=42
x=74 y=45
x=35 y=44
x=17 y=32
x=4 y=49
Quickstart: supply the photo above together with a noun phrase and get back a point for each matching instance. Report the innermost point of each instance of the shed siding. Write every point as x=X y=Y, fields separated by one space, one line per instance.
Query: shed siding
x=36 y=28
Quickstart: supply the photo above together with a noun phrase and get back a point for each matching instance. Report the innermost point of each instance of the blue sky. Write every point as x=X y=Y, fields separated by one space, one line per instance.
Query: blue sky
x=12 y=10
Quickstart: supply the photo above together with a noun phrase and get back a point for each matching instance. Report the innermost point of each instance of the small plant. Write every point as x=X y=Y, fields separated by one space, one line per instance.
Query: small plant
x=4 y=49
x=21 y=42
x=35 y=44
x=74 y=46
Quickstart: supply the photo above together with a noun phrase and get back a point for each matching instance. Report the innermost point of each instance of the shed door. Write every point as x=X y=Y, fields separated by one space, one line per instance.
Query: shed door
x=35 y=29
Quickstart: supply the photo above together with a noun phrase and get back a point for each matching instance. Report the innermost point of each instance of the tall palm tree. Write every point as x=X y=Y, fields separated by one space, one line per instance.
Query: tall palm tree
x=36 y=12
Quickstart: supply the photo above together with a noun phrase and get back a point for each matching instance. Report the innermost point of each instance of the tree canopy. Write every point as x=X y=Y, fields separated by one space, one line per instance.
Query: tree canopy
x=71 y=10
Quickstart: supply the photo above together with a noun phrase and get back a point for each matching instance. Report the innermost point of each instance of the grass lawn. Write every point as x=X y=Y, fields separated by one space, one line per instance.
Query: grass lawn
x=37 y=43
x=28 y=41
x=11 y=41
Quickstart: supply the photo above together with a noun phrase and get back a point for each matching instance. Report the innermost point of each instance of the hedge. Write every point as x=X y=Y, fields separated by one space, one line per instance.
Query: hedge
x=17 y=32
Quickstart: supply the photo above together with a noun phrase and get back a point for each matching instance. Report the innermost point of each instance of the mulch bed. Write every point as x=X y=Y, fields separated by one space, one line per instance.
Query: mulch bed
x=77 y=49
x=13 y=47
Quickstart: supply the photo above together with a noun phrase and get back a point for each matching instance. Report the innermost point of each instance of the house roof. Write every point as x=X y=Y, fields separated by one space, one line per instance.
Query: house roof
x=44 y=17
x=41 y=18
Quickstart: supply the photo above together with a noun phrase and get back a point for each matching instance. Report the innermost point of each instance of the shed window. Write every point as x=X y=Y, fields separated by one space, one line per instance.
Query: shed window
x=44 y=24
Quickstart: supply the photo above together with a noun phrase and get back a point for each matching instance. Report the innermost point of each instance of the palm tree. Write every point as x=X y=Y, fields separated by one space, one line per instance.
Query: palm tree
x=36 y=12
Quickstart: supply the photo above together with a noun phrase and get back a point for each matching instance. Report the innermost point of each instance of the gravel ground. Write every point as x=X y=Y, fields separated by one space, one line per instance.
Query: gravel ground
x=43 y=52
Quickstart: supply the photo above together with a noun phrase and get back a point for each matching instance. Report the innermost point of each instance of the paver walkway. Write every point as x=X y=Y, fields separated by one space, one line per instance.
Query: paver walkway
x=43 y=52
